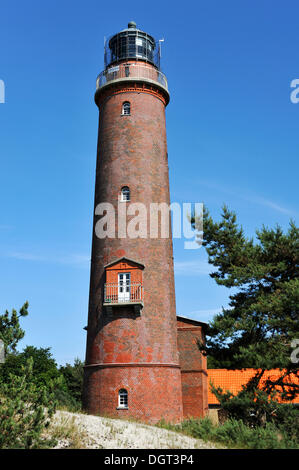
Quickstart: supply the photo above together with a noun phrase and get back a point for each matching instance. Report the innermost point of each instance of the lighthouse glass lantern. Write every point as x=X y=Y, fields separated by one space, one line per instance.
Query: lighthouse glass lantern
x=131 y=43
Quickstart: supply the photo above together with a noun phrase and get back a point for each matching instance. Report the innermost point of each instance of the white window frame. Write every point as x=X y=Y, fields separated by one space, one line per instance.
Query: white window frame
x=124 y=287
x=126 y=108
x=125 y=194
x=123 y=399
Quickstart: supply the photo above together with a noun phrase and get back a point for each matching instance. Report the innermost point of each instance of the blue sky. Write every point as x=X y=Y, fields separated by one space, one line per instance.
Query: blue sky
x=232 y=138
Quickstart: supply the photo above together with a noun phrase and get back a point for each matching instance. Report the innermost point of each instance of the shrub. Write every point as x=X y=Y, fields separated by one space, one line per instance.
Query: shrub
x=199 y=428
x=65 y=383
x=73 y=376
x=25 y=412
x=235 y=433
x=256 y=409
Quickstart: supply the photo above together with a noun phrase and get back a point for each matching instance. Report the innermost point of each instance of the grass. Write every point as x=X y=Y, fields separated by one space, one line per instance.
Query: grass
x=67 y=434
x=233 y=434
x=65 y=430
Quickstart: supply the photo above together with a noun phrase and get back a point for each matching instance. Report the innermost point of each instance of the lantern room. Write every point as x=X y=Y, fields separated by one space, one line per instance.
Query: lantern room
x=131 y=43
x=124 y=284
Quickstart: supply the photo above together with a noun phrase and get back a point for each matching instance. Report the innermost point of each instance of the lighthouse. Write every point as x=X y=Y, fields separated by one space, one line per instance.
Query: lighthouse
x=132 y=365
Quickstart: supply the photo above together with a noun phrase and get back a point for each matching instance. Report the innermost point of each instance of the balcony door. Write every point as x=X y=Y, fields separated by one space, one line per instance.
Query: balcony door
x=124 y=287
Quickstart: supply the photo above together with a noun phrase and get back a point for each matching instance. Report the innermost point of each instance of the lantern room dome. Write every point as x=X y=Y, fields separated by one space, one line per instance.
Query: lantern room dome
x=131 y=43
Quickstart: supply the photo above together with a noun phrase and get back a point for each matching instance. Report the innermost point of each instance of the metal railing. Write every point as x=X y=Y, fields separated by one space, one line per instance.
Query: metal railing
x=117 y=293
x=131 y=72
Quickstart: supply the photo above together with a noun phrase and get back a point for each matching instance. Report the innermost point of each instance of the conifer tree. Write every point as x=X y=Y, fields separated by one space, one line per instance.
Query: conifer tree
x=25 y=407
x=260 y=325
x=25 y=412
x=10 y=329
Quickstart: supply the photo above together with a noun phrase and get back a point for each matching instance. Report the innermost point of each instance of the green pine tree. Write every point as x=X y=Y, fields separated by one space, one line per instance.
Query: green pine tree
x=73 y=376
x=10 y=329
x=258 y=328
x=25 y=412
x=26 y=406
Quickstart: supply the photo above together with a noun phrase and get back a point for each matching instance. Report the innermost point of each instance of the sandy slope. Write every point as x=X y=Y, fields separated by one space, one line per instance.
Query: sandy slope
x=104 y=433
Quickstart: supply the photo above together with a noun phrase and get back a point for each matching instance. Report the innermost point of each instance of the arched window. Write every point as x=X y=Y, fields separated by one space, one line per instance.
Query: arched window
x=126 y=108
x=122 y=398
x=125 y=193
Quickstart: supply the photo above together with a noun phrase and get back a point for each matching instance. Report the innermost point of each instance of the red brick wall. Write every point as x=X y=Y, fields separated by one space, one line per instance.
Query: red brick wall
x=126 y=267
x=132 y=151
x=193 y=370
x=149 y=390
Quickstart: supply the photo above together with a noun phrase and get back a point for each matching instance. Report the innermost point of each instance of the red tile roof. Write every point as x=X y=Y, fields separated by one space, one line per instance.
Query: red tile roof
x=233 y=380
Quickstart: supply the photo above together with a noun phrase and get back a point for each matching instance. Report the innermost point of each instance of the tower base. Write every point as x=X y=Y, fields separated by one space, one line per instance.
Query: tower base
x=154 y=391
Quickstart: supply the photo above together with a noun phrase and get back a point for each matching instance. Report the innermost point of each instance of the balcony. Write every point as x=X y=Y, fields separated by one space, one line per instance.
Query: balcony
x=132 y=72
x=123 y=294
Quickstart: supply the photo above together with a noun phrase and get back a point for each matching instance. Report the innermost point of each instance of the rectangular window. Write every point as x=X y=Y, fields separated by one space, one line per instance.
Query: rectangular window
x=125 y=193
x=123 y=399
x=124 y=287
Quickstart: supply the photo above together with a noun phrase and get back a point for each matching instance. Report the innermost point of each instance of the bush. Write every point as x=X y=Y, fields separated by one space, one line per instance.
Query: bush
x=287 y=421
x=25 y=412
x=199 y=428
x=234 y=433
x=73 y=376
x=256 y=409
x=65 y=383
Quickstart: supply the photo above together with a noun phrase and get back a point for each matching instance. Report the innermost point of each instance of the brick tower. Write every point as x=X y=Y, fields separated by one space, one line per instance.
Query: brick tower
x=132 y=366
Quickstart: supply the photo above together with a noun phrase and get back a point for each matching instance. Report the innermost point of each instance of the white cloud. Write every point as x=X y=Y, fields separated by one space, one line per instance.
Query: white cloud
x=212 y=311
x=271 y=204
x=192 y=268
x=203 y=315
x=75 y=258
x=254 y=199
x=24 y=256
x=69 y=259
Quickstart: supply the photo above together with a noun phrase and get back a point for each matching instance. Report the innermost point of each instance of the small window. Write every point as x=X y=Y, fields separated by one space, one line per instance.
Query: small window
x=122 y=398
x=125 y=193
x=126 y=108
